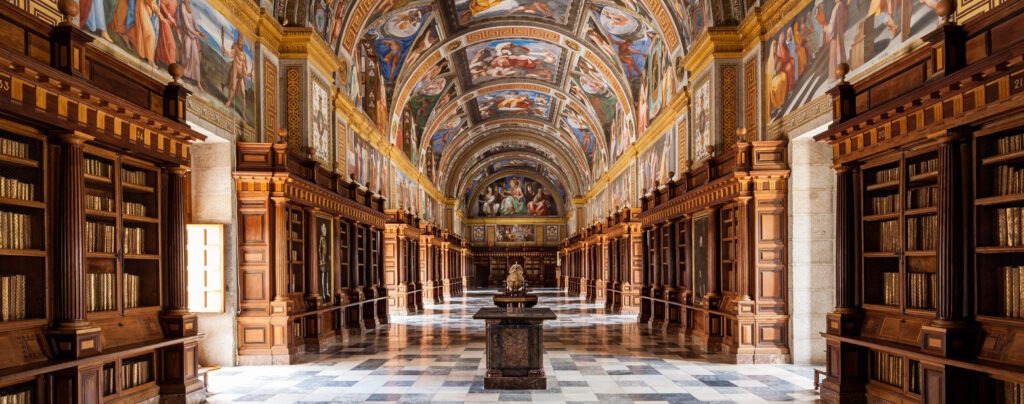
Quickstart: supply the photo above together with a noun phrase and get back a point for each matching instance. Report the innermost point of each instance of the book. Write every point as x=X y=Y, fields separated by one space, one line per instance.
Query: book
x=1010 y=227
x=134 y=177
x=97 y=168
x=15 y=229
x=890 y=288
x=13 y=148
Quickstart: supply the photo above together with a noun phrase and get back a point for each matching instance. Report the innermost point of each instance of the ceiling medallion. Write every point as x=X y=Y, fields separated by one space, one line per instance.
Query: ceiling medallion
x=452 y=47
x=572 y=45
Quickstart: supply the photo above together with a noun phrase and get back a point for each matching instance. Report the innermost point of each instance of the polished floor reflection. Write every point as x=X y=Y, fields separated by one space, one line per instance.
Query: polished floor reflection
x=437 y=356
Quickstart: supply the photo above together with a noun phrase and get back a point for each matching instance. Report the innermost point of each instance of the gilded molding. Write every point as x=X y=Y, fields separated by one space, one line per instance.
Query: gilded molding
x=304 y=43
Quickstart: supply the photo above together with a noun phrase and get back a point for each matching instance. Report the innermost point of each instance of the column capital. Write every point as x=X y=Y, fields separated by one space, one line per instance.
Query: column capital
x=177 y=169
x=72 y=136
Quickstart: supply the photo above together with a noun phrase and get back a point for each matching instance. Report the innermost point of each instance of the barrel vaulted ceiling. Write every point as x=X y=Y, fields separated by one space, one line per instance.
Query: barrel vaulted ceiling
x=551 y=90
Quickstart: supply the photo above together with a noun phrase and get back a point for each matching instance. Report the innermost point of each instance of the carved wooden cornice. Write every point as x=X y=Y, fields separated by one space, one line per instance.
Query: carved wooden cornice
x=34 y=91
x=302 y=192
x=980 y=93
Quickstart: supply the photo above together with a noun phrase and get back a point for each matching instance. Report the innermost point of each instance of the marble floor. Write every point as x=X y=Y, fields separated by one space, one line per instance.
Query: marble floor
x=438 y=356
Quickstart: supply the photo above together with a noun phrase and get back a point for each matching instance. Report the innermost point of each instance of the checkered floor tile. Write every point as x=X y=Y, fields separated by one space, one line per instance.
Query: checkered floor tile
x=438 y=356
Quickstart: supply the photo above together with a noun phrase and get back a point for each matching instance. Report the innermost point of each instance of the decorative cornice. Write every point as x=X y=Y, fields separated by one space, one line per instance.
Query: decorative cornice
x=304 y=43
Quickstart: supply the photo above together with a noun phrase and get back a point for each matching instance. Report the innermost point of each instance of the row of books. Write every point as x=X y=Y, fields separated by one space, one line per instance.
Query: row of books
x=15 y=231
x=97 y=168
x=21 y=397
x=12 y=298
x=15 y=189
x=923 y=167
x=922 y=290
x=887 y=368
x=1010 y=144
x=1010 y=227
x=135 y=373
x=134 y=240
x=889 y=236
x=887 y=175
x=1013 y=393
x=134 y=177
x=891 y=288
x=134 y=209
x=102 y=291
x=921 y=233
x=13 y=148
x=1013 y=293
x=881 y=205
x=100 y=237
x=1009 y=180
x=923 y=197
x=109 y=381
x=99 y=202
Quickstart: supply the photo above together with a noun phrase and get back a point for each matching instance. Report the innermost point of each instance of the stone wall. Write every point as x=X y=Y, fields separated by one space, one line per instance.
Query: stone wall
x=811 y=246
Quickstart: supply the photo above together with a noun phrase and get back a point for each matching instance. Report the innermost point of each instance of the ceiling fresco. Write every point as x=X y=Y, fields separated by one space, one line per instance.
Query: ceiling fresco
x=474 y=89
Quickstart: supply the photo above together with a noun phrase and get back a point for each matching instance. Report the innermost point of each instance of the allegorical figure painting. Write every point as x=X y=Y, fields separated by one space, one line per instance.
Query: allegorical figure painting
x=367 y=166
x=656 y=162
x=513 y=102
x=575 y=124
x=469 y=11
x=217 y=60
x=514 y=233
x=515 y=196
x=394 y=35
x=512 y=58
x=803 y=55
x=622 y=190
x=593 y=89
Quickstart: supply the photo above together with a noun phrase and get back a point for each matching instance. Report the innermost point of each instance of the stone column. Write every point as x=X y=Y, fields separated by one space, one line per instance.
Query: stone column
x=71 y=334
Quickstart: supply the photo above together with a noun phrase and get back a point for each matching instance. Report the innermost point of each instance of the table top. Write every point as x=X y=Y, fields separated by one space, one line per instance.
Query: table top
x=501 y=313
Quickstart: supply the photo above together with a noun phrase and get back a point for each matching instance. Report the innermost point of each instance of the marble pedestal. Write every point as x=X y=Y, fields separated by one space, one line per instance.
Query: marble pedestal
x=515 y=347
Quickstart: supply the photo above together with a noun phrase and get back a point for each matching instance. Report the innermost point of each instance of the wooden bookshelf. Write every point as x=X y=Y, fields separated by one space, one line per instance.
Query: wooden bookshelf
x=899 y=237
x=937 y=291
x=123 y=232
x=23 y=215
x=55 y=199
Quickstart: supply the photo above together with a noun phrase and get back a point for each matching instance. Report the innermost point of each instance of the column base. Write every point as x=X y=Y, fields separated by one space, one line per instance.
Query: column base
x=948 y=339
x=75 y=343
x=844 y=321
x=177 y=323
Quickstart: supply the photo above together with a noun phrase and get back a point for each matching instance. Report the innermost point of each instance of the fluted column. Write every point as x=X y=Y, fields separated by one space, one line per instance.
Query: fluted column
x=950 y=334
x=175 y=318
x=71 y=333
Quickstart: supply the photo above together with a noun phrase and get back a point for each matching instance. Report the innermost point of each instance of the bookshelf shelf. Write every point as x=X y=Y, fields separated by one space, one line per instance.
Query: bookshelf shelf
x=883 y=217
x=96 y=179
x=882 y=254
x=918 y=212
x=919 y=179
x=129 y=187
x=141 y=219
x=22 y=203
x=146 y=257
x=1000 y=200
x=17 y=161
x=23 y=253
x=999 y=250
x=1015 y=157
x=884 y=186
x=89 y=213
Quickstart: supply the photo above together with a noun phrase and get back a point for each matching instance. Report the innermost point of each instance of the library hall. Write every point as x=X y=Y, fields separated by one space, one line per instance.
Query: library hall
x=477 y=201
